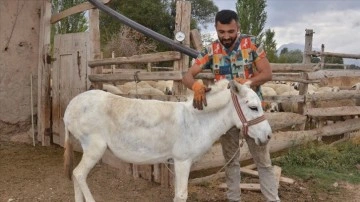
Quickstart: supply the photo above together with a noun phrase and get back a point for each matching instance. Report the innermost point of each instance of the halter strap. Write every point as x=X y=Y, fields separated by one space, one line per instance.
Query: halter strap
x=243 y=120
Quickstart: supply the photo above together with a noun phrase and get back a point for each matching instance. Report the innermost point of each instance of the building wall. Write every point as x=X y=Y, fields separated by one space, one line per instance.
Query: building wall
x=19 y=41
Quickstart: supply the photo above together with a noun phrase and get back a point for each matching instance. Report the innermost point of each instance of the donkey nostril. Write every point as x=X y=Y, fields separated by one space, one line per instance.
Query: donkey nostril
x=269 y=137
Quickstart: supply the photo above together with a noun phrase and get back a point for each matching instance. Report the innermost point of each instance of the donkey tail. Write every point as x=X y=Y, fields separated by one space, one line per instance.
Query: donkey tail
x=68 y=155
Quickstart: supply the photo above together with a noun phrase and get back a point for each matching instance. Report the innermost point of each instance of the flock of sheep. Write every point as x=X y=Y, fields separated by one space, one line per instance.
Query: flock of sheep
x=164 y=87
x=161 y=87
x=291 y=88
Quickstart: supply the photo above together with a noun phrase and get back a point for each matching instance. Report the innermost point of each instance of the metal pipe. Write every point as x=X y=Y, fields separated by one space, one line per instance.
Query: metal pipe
x=148 y=32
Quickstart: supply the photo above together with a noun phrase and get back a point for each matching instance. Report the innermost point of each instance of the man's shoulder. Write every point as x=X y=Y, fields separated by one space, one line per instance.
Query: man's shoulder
x=244 y=36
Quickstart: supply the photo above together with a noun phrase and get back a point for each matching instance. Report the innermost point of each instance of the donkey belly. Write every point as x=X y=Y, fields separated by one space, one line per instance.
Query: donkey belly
x=140 y=150
x=137 y=157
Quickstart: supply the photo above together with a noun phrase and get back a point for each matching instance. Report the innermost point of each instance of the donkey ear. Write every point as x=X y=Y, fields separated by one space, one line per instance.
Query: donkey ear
x=234 y=86
x=238 y=88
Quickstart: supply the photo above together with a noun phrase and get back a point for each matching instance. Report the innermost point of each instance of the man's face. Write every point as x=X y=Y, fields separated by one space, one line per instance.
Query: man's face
x=227 y=33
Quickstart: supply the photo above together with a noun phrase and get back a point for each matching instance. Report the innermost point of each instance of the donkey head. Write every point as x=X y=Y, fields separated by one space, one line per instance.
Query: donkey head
x=249 y=114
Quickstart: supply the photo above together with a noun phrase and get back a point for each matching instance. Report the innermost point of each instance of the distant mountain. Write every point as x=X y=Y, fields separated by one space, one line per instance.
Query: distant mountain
x=290 y=47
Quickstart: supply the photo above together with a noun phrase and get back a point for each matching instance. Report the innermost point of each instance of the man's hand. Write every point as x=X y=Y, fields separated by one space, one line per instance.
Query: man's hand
x=199 y=95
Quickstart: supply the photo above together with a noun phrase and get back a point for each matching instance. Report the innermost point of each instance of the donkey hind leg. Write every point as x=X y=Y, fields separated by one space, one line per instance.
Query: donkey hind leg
x=182 y=170
x=92 y=153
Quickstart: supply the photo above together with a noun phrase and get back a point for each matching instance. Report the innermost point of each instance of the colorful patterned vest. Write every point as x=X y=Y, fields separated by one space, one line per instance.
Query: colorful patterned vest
x=226 y=64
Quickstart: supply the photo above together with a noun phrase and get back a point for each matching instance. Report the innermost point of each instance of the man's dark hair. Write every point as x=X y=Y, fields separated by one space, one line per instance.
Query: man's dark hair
x=226 y=16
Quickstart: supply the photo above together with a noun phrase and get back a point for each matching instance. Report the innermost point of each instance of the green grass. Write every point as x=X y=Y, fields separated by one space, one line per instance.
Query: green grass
x=323 y=164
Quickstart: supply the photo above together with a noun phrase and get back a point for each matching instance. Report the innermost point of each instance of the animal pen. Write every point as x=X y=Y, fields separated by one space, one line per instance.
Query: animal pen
x=77 y=64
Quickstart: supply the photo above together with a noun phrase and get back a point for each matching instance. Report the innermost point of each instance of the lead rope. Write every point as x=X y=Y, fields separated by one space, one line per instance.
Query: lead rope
x=212 y=177
x=246 y=124
x=222 y=168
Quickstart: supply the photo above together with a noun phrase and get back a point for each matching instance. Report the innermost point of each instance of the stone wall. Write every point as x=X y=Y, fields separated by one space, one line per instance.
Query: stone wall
x=19 y=34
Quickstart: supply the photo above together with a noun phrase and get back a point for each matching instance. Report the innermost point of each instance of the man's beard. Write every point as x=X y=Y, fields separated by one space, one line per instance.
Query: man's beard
x=228 y=42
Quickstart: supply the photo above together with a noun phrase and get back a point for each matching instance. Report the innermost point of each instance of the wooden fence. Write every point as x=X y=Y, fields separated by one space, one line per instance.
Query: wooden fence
x=282 y=123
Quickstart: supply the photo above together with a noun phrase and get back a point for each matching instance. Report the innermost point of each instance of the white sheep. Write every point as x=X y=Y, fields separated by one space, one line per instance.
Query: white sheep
x=356 y=86
x=289 y=106
x=111 y=89
x=272 y=107
x=165 y=86
x=145 y=91
x=132 y=85
x=327 y=89
x=268 y=91
x=282 y=88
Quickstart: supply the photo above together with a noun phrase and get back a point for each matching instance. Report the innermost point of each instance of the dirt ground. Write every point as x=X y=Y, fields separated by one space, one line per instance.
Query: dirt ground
x=29 y=173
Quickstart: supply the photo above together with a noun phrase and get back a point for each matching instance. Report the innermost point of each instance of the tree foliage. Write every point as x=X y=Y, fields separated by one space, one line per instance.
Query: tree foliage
x=202 y=12
x=252 y=16
x=269 y=44
x=292 y=56
x=73 y=23
x=153 y=14
x=157 y=15
x=334 y=60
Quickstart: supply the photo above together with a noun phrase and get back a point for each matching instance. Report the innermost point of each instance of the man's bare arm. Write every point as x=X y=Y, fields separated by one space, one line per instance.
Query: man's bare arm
x=263 y=74
x=189 y=77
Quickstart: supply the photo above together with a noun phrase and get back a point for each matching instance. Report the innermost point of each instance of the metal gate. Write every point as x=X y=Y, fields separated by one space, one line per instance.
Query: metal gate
x=69 y=76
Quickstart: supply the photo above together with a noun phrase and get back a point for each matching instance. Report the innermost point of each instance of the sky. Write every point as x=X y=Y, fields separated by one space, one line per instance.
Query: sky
x=336 y=23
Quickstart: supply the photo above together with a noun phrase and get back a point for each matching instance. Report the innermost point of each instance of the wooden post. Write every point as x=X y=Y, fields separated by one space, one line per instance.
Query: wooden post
x=195 y=37
x=113 y=66
x=44 y=61
x=149 y=66
x=322 y=57
x=95 y=52
x=303 y=87
x=308 y=46
x=182 y=23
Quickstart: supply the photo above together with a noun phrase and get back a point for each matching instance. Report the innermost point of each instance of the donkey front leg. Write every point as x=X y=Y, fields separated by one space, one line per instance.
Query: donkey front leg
x=182 y=170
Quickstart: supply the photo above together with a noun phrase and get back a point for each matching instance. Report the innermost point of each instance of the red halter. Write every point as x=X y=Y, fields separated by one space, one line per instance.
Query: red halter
x=246 y=124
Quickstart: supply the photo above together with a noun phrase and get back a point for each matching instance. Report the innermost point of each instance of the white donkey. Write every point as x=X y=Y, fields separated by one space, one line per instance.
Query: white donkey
x=151 y=131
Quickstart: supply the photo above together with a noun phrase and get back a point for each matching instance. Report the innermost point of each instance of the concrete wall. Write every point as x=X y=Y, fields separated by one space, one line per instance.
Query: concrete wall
x=19 y=41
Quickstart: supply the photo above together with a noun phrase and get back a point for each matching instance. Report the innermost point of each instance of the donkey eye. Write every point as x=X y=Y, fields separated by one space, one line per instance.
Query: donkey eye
x=254 y=108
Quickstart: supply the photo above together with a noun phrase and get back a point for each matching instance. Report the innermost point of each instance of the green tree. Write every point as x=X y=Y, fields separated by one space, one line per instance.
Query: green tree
x=157 y=15
x=292 y=56
x=284 y=51
x=334 y=60
x=252 y=16
x=71 y=24
x=202 y=12
x=269 y=44
x=153 y=14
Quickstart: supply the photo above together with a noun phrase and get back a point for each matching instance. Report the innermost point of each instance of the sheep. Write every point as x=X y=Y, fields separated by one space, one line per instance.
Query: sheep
x=165 y=86
x=289 y=106
x=295 y=85
x=326 y=89
x=267 y=91
x=356 y=86
x=111 y=89
x=147 y=91
x=281 y=88
x=125 y=88
x=272 y=106
x=312 y=88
